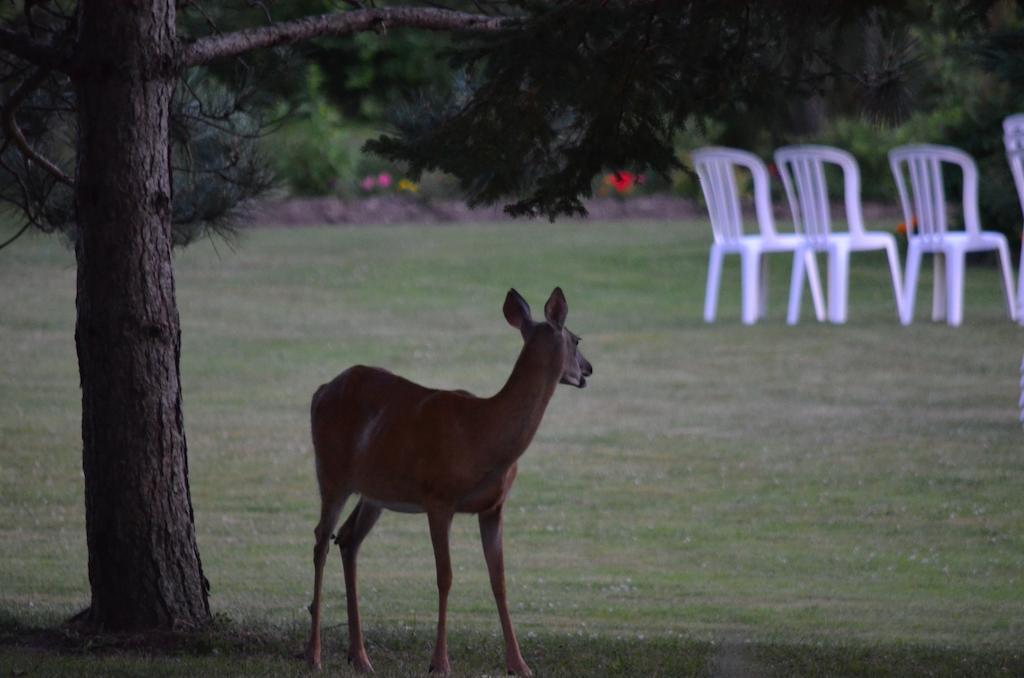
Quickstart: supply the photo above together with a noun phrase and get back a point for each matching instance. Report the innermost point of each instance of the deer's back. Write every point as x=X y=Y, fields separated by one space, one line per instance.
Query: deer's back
x=378 y=433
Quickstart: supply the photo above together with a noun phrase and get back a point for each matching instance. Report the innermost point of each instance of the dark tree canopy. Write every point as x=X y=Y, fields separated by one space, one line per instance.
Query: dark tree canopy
x=567 y=91
x=579 y=88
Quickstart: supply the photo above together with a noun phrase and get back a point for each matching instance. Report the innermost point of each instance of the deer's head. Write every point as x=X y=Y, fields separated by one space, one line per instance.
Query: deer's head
x=550 y=332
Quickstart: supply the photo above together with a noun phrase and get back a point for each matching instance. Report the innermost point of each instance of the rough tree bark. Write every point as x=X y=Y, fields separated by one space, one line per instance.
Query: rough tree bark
x=144 y=567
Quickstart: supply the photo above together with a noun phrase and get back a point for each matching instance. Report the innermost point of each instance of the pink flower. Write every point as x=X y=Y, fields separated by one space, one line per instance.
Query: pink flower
x=368 y=183
x=383 y=179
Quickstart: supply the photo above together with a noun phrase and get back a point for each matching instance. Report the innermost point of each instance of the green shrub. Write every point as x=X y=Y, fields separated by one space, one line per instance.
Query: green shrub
x=311 y=152
x=870 y=142
x=319 y=152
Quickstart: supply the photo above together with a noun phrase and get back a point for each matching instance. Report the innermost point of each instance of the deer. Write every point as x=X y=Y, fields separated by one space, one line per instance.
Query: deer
x=412 y=449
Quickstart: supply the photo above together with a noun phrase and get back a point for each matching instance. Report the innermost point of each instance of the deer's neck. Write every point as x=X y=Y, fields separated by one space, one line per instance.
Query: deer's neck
x=515 y=412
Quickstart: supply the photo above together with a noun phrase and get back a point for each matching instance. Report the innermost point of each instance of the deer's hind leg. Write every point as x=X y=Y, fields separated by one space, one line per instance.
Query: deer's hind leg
x=330 y=511
x=351 y=535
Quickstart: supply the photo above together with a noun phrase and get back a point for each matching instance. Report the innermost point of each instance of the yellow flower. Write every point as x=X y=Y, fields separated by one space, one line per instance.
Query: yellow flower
x=406 y=185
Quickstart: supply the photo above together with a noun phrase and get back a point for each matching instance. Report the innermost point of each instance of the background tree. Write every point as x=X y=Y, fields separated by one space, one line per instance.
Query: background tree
x=548 y=95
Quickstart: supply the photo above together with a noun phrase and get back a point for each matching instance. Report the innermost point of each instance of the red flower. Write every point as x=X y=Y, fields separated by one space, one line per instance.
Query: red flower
x=622 y=182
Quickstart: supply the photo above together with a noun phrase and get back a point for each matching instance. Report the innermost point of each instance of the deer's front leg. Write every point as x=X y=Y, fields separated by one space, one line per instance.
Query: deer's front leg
x=490 y=535
x=440 y=526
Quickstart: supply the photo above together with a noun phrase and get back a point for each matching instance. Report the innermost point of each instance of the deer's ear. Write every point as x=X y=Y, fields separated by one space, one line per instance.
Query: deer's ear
x=556 y=309
x=516 y=310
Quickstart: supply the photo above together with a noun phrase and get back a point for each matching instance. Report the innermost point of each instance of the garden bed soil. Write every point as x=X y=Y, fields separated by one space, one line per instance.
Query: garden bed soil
x=411 y=210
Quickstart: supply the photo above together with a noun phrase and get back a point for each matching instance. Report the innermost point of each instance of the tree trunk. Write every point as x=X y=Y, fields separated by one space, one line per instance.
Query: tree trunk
x=144 y=567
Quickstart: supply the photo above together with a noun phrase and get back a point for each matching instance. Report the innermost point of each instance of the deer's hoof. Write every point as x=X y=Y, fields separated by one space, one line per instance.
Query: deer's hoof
x=312 y=656
x=519 y=669
x=440 y=668
x=360 y=662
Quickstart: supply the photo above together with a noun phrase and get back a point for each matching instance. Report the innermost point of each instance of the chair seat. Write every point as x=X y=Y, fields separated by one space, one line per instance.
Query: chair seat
x=968 y=242
x=864 y=241
x=784 y=242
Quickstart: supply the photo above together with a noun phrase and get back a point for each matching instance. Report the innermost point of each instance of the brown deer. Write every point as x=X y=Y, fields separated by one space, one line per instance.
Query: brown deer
x=408 y=448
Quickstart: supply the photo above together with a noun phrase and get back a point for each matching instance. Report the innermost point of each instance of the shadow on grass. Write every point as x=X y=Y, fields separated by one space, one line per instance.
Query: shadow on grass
x=227 y=648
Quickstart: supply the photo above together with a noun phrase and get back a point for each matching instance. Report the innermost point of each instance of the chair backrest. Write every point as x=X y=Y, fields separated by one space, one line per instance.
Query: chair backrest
x=716 y=168
x=924 y=205
x=1013 y=138
x=803 y=175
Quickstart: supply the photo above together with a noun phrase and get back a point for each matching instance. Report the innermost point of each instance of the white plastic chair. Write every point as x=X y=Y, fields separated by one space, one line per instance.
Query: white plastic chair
x=716 y=168
x=924 y=212
x=1013 y=138
x=803 y=175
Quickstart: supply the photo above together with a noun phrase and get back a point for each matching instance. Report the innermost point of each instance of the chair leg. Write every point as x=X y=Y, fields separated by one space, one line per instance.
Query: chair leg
x=1020 y=296
x=750 y=263
x=1007 y=267
x=838 y=277
x=914 y=255
x=762 y=283
x=894 y=271
x=955 y=286
x=1020 y=299
x=1021 y=401
x=814 y=278
x=796 y=283
x=713 y=284
x=939 y=303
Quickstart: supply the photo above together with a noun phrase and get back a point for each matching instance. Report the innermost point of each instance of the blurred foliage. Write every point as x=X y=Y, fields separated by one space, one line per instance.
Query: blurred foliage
x=878 y=76
x=315 y=151
x=318 y=151
x=330 y=93
x=554 y=113
x=754 y=75
x=966 y=63
x=360 y=75
x=221 y=114
x=978 y=100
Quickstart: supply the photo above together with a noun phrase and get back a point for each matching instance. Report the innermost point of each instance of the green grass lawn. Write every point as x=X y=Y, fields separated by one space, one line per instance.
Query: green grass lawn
x=721 y=499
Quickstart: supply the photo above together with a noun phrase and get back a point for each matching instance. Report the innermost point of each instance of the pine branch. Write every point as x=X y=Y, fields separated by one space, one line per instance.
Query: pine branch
x=214 y=47
x=12 y=130
x=17 y=235
x=25 y=206
x=24 y=47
